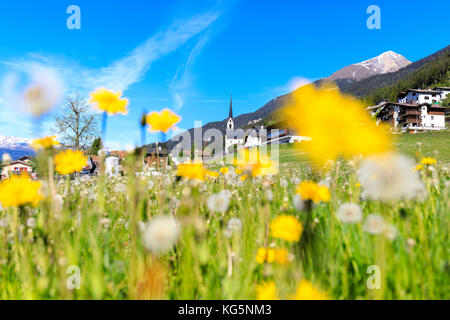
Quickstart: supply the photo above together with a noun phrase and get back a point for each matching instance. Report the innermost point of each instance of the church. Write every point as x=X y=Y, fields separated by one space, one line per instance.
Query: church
x=232 y=136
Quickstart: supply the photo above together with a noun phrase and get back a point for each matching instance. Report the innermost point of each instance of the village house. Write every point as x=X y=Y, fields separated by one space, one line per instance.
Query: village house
x=21 y=165
x=281 y=132
x=444 y=91
x=157 y=156
x=419 y=96
x=411 y=116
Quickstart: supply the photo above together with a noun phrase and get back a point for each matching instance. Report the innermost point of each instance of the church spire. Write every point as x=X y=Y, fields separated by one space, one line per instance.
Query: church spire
x=231 y=107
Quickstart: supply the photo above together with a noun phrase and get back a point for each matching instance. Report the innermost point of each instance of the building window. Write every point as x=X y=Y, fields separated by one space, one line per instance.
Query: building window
x=427 y=98
x=432 y=117
x=432 y=125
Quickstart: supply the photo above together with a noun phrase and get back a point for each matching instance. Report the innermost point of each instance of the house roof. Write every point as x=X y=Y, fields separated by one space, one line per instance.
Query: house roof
x=424 y=91
x=25 y=158
x=152 y=150
x=407 y=105
x=18 y=162
x=119 y=154
x=442 y=88
x=378 y=105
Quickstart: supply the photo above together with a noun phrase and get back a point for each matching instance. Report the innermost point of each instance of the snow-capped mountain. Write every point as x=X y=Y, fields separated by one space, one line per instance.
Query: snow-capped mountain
x=386 y=62
x=16 y=147
x=8 y=140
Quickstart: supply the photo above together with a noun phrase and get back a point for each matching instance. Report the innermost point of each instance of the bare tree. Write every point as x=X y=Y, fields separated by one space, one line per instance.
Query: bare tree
x=75 y=125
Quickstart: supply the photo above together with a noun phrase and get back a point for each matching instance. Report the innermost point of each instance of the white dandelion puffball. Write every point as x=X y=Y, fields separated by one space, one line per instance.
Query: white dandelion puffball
x=3 y=223
x=390 y=177
x=120 y=188
x=230 y=177
x=31 y=222
x=45 y=91
x=374 y=224
x=349 y=213
x=269 y=195
x=390 y=232
x=6 y=158
x=161 y=234
x=219 y=202
x=299 y=204
x=102 y=152
x=234 y=224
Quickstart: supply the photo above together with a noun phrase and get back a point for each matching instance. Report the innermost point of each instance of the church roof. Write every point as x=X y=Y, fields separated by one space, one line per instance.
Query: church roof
x=231 y=107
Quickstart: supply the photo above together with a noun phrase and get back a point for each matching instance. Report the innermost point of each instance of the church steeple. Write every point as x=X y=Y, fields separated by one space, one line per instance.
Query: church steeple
x=230 y=121
x=231 y=107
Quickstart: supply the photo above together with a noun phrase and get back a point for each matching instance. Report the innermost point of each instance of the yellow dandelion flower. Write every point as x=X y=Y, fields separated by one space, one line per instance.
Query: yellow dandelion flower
x=70 y=161
x=312 y=191
x=238 y=171
x=108 y=101
x=191 y=170
x=286 y=227
x=162 y=121
x=428 y=161
x=358 y=185
x=418 y=167
x=266 y=291
x=20 y=190
x=224 y=170
x=257 y=164
x=44 y=143
x=265 y=255
x=212 y=174
x=244 y=177
x=306 y=291
x=270 y=255
x=282 y=256
x=338 y=124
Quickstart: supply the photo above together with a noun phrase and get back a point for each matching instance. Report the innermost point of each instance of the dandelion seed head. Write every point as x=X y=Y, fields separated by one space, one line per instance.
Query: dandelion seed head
x=161 y=234
x=389 y=177
x=234 y=224
x=349 y=213
x=390 y=232
x=299 y=204
x=374 y=224
x=219 y=202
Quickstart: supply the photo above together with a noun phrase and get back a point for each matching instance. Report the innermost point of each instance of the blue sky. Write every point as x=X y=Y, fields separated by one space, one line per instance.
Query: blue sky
x=189 y=55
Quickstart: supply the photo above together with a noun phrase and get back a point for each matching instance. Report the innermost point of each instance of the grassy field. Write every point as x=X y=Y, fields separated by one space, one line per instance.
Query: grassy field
x=429 y=144
x=231 y=236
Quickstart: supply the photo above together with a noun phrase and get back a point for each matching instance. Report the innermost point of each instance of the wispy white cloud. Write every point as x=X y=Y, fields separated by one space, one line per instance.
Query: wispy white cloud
x=123 y=72
x=293 y=84
x=128 y=70
x=182 y=81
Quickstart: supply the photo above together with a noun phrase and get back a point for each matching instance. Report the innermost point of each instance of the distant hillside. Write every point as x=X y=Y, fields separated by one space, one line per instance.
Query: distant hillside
x=370 y=88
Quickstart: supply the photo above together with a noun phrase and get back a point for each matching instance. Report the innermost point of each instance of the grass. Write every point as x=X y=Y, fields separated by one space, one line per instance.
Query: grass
x=95 y=228
x=432 y=144
x=429 y=144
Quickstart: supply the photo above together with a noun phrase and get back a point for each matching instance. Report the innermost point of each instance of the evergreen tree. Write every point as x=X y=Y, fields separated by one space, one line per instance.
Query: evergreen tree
x=96 y=146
